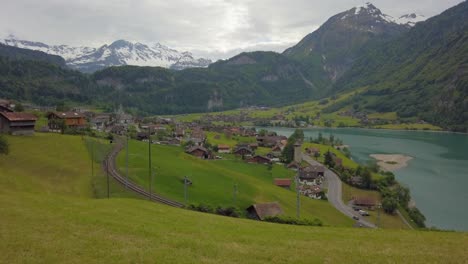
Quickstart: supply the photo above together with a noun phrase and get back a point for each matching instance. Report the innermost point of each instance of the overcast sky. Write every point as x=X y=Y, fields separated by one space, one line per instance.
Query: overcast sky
x=209 y=28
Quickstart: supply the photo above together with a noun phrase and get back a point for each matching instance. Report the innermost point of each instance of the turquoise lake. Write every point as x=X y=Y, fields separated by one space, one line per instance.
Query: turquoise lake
x=437 y=175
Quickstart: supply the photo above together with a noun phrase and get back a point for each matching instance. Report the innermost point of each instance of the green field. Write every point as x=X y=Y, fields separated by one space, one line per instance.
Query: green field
x=214 y=180
x=49 y=215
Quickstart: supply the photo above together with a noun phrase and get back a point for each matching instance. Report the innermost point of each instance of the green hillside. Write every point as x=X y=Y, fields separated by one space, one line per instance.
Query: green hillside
x=213 y=182
x=48 y=216
x=423 y=73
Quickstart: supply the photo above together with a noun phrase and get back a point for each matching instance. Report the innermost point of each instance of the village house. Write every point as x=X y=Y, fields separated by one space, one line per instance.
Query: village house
x=264 y=210
x=243 y=151
x=293 y=166
x=224 y=148
x=118 y=130
x=69 y=119
x=283 y=183
x=179 y=132
x=311 y=175
x=364 y=202
x=270 y=141
x=198 y=151
x=6 y=106
x=259 y=160
x=311 y=191
x=253 y=146
x=17 y=123
x=100 y=121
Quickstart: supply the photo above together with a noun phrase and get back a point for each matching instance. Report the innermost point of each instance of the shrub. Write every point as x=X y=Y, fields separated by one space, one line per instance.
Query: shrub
x=201 y=208
x=228 y=211
x=294 y=221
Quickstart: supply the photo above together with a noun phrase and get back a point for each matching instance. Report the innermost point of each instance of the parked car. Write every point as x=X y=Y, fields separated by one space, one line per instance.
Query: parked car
x=363 y=213
x=355 y=217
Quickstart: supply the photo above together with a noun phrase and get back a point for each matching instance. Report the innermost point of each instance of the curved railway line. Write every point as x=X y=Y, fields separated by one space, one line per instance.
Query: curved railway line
x=109 y=165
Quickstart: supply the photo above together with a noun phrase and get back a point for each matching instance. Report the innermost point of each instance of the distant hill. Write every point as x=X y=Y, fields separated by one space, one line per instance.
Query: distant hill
x=423 y=73
x=26 y=54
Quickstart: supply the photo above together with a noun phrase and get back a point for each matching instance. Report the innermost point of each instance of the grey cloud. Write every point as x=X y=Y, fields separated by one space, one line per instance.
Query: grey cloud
x=209 y=28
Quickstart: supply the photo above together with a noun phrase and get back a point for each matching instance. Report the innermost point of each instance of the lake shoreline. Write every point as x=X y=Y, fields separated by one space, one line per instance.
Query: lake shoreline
x=391 y=162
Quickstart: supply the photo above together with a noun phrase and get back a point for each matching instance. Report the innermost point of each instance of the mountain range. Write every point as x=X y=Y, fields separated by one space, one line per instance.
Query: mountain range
x=416 y=69
x=120 y=52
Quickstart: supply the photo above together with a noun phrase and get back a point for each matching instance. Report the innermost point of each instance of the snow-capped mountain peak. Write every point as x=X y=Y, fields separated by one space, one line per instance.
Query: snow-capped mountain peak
x=370 y=10
x=410 y=19
x=119 y=52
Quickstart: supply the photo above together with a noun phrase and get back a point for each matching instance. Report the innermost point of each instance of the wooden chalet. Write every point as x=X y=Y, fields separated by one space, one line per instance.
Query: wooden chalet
x=259 y=160
x=263 y=210
x=243 y=151
x=253 y=146
x=366 y=202
x=293 y=165
x=17 y=123
x=284 y=183
x=270 y=141
x=69 y=119
x=224 y=148
x=311 y=172
x=198 y=151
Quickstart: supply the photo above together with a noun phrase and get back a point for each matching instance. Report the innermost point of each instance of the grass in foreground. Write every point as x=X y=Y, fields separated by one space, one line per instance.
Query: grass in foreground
x=54 y=220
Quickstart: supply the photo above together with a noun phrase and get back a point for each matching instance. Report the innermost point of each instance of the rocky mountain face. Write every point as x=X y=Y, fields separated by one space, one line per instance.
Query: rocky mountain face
x=118 y=53
x=331 y=50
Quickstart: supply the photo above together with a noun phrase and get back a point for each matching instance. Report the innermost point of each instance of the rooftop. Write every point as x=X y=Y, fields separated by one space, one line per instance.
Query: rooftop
x=18 y=116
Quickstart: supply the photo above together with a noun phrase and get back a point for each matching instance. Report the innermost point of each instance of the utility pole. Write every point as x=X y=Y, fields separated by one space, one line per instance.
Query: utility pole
x=298 y=201
x=107 y=174
x=126 y=161
x=234 y=194
x=378 y=214
x=149 y=159
x=185 y=190
x=92 y=157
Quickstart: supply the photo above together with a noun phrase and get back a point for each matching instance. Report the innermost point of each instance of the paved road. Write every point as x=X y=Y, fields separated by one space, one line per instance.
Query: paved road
x=334 y=193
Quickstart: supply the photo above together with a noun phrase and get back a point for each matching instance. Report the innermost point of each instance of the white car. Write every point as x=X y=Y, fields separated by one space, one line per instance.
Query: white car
x=363 y=213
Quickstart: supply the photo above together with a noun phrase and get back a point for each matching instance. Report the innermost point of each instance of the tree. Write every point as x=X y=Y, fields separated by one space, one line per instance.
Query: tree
x=366 y=178
x=4 y=146
x=389 y=204
x=262 y=132
x=329 y=160
x=320 y=137
x=19 y=107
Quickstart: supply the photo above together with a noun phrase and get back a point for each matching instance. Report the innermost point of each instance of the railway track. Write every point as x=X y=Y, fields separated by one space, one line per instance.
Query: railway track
x=109 y=165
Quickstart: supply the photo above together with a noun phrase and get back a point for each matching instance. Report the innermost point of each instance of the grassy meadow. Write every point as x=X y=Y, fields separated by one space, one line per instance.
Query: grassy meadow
x=49 y=214
x=214 y=180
